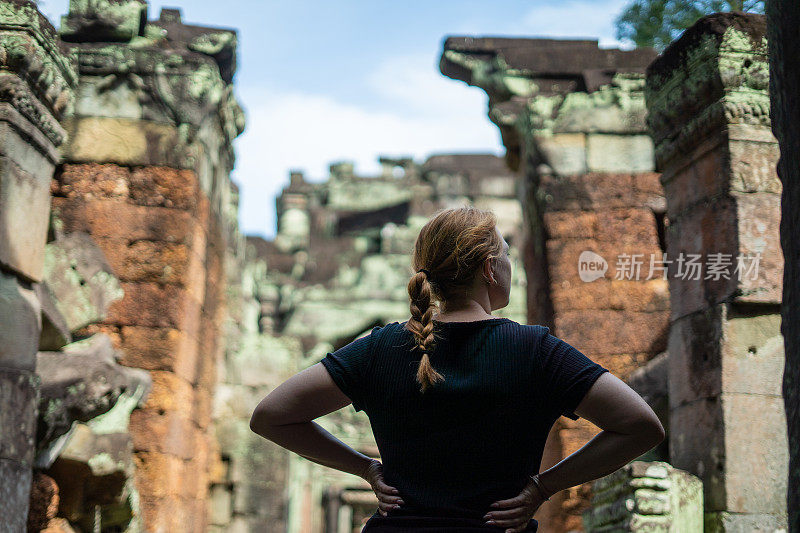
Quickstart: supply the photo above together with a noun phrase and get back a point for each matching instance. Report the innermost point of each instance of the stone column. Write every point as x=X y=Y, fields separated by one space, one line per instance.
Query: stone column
x=35 y=82
x=783 y=19
x=147 y=175
x=571 y=116
x=708 y=103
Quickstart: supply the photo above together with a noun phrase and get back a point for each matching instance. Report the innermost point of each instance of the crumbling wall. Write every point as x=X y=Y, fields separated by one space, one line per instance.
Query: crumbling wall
x=571 y=116
x=145 y=173
x=708 y=112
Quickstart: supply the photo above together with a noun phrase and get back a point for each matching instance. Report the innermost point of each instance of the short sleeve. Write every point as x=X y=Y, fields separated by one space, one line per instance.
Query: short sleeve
x=566 y=373
x=347 y=367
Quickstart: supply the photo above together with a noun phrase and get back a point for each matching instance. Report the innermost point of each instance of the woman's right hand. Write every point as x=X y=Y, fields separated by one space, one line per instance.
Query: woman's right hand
x=515 y=513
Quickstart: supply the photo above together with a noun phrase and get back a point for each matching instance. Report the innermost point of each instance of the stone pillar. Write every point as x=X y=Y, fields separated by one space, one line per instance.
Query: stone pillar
x=35 y=89
x=146 y=174
x=783 y=19
x=576 y=134
x=708 y=103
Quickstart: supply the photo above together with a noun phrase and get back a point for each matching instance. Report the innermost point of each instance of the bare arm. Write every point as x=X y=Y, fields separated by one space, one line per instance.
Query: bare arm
x=286 y=417
x=629 y=428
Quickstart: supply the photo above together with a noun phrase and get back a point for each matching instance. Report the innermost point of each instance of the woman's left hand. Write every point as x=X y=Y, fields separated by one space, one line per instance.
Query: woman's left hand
x=388 y=496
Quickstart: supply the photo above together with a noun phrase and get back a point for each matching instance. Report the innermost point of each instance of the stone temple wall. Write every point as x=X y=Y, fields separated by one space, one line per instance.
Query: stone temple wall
x=116 y=254
x=572 y=118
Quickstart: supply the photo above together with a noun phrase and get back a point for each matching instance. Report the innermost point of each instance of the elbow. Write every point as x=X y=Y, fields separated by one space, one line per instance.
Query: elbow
x=653 y=432
x=647 y=431
x=261 y=421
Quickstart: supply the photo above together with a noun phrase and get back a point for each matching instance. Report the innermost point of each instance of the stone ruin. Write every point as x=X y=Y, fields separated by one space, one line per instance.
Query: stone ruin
x=139 y=327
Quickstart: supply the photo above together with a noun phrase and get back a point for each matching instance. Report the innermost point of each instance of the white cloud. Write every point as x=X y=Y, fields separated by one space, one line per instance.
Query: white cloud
x=425 y=113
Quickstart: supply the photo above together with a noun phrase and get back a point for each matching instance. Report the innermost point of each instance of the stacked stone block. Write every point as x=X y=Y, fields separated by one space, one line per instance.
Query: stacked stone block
x=146 y=174
x=646 y=496
x=151 y=223
x=708 y=103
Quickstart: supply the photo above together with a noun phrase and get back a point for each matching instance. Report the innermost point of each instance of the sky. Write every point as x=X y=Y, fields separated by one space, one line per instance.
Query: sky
x=350 y=80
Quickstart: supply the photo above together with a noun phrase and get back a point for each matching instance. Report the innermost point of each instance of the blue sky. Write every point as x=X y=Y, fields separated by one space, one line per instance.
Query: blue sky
x=324 y=81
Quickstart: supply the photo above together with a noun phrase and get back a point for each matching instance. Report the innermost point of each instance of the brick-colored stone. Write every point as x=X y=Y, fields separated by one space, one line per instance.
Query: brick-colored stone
x=160 y=349
x=169 y=432
x=628 y=226
x=594 y=191
x=563 y=258
x=110 y=218
x=155 y=305
x=646 y=295
x=169 y=392
x=153 y=261
x=44 y=502
x=92 y=181
x=164 y=187
x=608 y=331
x=570 y=224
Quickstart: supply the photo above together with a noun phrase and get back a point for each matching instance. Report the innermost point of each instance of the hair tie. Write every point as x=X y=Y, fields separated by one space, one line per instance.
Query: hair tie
x=423 y=270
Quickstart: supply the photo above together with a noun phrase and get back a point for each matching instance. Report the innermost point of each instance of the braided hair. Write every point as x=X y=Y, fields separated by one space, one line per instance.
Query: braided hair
x=449 y=252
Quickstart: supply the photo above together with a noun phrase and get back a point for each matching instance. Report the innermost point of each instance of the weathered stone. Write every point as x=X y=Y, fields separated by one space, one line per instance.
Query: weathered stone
x=20 y=395
x=103 y=21
x=149 y=261
x=24 y=206
x=220 y=505
x=703 y=76
x=644 y=496
x=20 y=324
x=55 y=331
x=44 y=502
x=15 y=483
x=160 y=349
x=155 y=305
x=619 y=153
x=91 y=181
x=80 y=280
x=164 y=187
x=111 y=219
x=80 y=384
x=709 y=116
x=170 y=433
x=123 y=142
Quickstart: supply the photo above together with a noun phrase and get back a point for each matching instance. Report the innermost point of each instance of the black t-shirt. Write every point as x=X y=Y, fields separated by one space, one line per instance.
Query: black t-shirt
x=473 y=438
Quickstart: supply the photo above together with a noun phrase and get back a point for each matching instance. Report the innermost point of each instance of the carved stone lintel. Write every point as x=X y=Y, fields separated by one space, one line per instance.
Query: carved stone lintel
x=29 y=48
x=718 y=73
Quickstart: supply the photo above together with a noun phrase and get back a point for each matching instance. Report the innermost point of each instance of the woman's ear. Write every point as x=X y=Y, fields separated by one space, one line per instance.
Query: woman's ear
x=488 y=273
